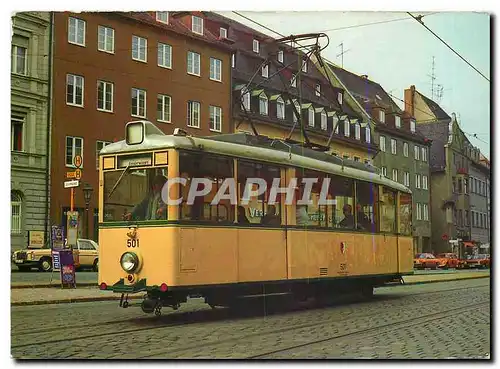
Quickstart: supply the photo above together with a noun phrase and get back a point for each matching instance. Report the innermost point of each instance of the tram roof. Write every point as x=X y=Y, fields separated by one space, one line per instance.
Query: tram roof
x=244 y=145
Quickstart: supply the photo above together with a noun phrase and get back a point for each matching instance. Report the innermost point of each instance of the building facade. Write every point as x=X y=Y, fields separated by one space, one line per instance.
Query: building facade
x=451 y=160
x=112 y=68
x=30 y=67
x=403 y=151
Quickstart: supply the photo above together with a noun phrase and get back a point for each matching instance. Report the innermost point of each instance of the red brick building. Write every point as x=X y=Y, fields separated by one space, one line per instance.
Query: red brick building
x=112 y=68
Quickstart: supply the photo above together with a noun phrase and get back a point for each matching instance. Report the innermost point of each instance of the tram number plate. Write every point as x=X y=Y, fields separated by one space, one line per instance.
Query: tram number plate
x=343 y=268
x=132 y=243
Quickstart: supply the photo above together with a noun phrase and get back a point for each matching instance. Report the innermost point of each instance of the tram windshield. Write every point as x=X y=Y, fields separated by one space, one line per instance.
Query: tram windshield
x=134 y=194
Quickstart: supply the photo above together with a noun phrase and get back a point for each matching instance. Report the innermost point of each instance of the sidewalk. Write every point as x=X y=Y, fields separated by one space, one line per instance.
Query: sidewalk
x=56 y=295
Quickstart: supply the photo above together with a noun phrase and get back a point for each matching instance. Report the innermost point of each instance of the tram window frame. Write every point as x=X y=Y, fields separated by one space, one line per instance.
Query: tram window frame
x=334 y=220
x=373 y=224
x=186 y=213
x=257 y=168
x=316 y=189
x=405 y=229
x=383 y=213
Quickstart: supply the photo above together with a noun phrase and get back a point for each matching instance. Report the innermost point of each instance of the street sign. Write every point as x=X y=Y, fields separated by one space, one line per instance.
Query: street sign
x=77 y=161
x=70 y=184
x=78 y=174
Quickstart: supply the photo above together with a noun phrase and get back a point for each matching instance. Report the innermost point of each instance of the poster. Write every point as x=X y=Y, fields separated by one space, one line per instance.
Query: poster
x=36 y=239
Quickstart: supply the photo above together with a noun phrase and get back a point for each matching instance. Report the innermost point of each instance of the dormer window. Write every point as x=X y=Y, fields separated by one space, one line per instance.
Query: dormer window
x=339 y=98
x=357 y=131
x=263 y=106
x=367 y=134
x=311 y=116
x=336 y=125
x=265 y=71
x=222 y=32
x=280 y=108
x=412 y=126
x=381 y=116
x=245 y=97
x=197 y=25
x=280 y=56
x=398 y=121
x=162 y=17
x=293 y=82
x=297 y=107
x=324 y=121
x=304 y=66
x=255 y=46
x=318 y=90
x=347 y=128
x=233 y=60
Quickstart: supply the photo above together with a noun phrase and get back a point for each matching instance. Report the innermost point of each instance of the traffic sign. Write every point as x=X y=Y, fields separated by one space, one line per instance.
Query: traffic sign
x=70 y=184
x=78 y=174
x=71 y=174
x=77 y=161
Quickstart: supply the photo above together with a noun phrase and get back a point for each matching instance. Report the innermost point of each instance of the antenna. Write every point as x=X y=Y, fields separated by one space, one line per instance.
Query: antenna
x=342 y=52
x=440 y=93
x=433 y=78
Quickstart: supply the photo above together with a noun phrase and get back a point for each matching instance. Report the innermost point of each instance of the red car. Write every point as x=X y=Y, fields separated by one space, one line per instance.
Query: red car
x=448 y=260
x=477 y=261
x=425 y=260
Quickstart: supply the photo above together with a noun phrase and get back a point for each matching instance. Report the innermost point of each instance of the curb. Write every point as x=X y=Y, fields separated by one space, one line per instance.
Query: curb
x=51 y=285
x=116 y=298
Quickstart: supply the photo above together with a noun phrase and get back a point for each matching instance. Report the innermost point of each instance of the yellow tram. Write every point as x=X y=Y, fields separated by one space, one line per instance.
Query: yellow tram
x=352 y=231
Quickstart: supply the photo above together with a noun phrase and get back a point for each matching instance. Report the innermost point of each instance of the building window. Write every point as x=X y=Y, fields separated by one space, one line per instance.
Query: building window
x=297 y=107
x=417 y=181
x=310 y=112
x=345 y=157
x=406 y=179
x=382 y=143
x=381 y=116
x=245 y=97
x=193 y=114
x=164 y=108
x=293 y=81
x=138 y=103
x=263 y=106
x=16 y=212
x=304 y=66
x=324 y=121
x=424 y=153
x=233 y=60
x=412 y=126
x=164 y=55
x=104 y=96
x=193 y=63
x=76 y=31
x=197 y=25
x=398 y=121
x=215 y=118
x=255 y=46
x=393 y=146
x=280 y=56
x=357 y=131
x=106 y=39
x=336 y=124
x=318 y=90
x=367 y=134
x=467 y=221
x=347 y=128
x=98 y=147
x=419 y=211
x=222 y=32
x=357 y=158
x=384 y=171
x=340 y=98
x=74 y=147
x=425 y=184
x=280 y=108
x=426 y=211
x=395 y=175
x=17 y=133
x=162 y=17
x=139 y=48
x=466 y=182
x=19 y=61
x=265 y=71
x=216 y=69
x=417 y=153
x=405 y=149
x=74 y=90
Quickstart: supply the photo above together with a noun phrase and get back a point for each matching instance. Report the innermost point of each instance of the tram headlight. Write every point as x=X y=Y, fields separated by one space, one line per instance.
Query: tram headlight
x=129 y=262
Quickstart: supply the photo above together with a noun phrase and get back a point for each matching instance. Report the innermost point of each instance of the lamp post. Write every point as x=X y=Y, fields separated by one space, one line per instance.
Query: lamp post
x=87 y=194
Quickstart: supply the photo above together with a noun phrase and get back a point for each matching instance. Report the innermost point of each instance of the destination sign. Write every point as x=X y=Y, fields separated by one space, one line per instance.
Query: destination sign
x=135 y=161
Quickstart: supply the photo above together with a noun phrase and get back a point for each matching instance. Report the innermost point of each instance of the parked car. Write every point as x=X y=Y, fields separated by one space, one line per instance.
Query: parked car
x=478 y=261
x=41 y=259
x=425 y=260
x=448 y=260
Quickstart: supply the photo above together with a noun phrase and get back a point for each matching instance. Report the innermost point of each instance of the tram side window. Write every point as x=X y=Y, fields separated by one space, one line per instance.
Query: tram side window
x=366 y=206
x=257 y=210
x=214 y=168
x=342 y=213
x=405 y=214
x=314 y=213
x=387 y=210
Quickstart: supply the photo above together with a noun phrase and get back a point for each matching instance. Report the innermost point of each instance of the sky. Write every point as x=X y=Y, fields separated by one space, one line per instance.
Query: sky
x=399 y=53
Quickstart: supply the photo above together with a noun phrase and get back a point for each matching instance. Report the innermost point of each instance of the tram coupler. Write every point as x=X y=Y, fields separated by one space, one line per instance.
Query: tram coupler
x=124 y=304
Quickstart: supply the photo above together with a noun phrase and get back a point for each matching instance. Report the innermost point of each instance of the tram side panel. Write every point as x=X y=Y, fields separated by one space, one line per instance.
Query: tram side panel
x=405 y=255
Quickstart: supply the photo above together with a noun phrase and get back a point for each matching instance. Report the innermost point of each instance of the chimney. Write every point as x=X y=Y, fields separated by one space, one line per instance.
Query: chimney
x=364 y=76
x=410 y=100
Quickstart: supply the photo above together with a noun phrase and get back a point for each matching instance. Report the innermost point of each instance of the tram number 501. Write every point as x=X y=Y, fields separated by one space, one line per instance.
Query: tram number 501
x=132 y=243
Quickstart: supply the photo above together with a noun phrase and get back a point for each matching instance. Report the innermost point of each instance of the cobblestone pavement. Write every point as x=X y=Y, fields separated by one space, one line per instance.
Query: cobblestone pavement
x=439 y=320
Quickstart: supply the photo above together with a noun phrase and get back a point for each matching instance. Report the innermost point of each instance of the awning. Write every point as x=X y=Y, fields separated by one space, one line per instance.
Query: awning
x=469 y=244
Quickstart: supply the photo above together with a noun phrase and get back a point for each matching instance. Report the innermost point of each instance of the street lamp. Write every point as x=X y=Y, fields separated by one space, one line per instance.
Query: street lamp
x=87 y=194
